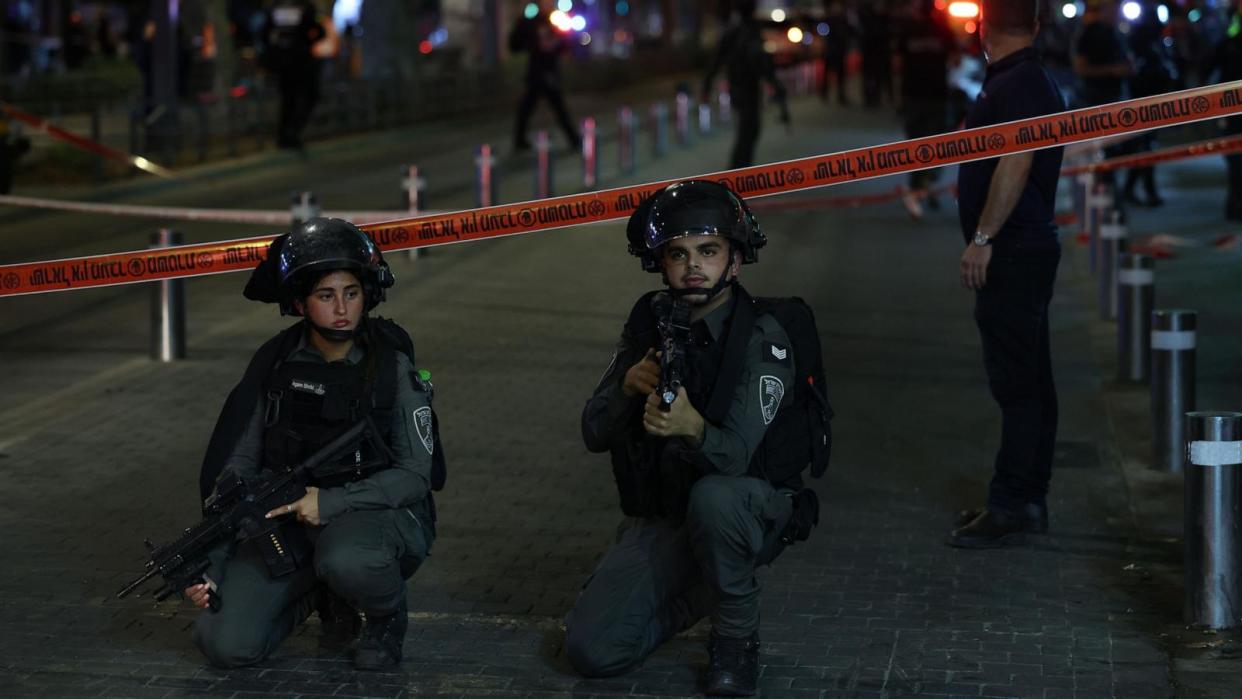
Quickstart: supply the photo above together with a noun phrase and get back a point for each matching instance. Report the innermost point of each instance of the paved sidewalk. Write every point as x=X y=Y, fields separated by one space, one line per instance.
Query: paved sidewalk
x=516 y=332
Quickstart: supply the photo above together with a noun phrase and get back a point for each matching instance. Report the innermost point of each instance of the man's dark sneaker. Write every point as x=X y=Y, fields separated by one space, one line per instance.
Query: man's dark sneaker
x=1034 y=518
x=339 y=623
x=988 y=531
x=733 y=668
x=382 y=639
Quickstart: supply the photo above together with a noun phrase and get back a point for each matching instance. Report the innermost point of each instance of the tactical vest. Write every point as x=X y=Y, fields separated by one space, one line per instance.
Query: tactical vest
x=309 y=403
x=654 y=475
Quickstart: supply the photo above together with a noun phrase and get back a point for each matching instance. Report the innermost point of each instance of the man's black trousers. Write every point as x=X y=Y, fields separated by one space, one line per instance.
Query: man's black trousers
x=1012 y=314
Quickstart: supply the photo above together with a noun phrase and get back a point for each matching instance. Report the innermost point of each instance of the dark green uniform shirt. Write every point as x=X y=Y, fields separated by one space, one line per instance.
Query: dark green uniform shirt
x=763 y=389
x=404 y=484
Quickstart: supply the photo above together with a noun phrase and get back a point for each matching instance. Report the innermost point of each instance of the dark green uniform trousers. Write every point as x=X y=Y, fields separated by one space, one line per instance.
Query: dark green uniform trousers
x=364 y=557
x=662 y=576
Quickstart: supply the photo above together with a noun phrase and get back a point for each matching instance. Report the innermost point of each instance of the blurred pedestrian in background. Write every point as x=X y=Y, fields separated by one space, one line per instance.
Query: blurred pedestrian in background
x=1103 y=64
x=13 y=145
x=746 y=64
x=1227 y=66
x=290 y=30
x=877 y=53
x=538 y=37
x=1154 y=74
x=841 y=32
x=927 y=46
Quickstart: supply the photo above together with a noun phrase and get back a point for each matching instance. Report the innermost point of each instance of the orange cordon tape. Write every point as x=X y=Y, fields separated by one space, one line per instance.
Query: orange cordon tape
x=1216 y=146
x=592 y=207
x=849 y=202
x=85 y=143
x=255 y=216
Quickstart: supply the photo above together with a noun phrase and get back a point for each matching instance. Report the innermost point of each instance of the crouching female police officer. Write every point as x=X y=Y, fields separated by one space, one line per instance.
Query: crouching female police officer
x=697 y=478
x=368 y=514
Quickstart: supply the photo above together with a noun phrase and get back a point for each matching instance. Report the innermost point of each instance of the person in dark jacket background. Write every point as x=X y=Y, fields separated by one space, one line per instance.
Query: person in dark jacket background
x=747 y=66
x=545 y=44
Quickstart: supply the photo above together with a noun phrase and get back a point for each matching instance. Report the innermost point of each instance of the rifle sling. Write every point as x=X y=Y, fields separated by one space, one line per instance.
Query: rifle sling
x=737 y=337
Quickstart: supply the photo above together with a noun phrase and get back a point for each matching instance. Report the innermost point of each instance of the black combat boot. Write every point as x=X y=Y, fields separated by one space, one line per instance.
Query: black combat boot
x=339 y=623
x=733 y=670
x=989 y=530
x=382 y=638
x=1034 y=517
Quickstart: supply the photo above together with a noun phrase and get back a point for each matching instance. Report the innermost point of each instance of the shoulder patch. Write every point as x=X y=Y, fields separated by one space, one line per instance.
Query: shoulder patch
x=423 y=423
x=773 y=353
x=771 y=391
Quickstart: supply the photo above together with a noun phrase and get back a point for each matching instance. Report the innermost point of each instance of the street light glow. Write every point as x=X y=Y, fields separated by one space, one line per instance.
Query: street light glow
x=1131 y=10
x=1069 y=10
x=778 y=15
x=1162 y=13
x=794 y=34
x=578 y=23
x=964 y=10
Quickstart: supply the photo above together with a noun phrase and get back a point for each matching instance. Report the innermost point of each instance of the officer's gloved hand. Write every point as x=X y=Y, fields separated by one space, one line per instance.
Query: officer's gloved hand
x=804 y=518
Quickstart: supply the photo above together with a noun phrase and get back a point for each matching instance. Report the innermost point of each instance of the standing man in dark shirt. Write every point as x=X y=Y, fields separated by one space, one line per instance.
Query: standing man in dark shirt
x=927 y=46
x=1006 y=209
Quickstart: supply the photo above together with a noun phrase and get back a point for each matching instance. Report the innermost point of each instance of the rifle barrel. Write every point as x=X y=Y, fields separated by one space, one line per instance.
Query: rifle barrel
x=151 y=570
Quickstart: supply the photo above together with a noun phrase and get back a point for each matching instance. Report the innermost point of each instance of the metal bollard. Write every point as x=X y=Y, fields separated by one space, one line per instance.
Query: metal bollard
x=590 y=155
x=485 y=178
x=683 y=120
x=1098 y=203
x=659 y=129
x=1213 y=556
x=705 y=120
x=1112 y=237
x=1172 y=384
x=413 y=194
x=1136 y=294
x=305 y=207
x=627 y=141
x=167 y=307
x=726 y=107
x=413 y=189
x=543 y=165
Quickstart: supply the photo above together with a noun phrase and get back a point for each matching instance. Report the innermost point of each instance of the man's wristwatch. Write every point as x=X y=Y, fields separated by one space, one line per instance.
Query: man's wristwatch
x=980 y=239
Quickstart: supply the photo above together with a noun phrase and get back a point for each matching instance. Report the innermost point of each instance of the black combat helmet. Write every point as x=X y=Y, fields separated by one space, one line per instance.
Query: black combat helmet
x=323 y=245
x=693 y=207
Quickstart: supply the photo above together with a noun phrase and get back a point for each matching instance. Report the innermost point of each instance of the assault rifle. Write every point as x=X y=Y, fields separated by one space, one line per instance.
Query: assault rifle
x=673 y=322
x=239 y=505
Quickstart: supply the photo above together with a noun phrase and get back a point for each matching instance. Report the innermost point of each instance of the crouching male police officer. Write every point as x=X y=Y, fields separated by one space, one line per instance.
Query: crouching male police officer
x=368 y=515
x=707 y=486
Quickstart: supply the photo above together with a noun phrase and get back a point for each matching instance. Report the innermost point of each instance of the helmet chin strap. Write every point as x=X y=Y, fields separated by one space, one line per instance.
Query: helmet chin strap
x=334 y=335
x=720 y=285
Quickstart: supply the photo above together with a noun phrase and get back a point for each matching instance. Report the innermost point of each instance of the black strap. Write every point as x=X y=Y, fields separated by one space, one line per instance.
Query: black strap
x=737 y=338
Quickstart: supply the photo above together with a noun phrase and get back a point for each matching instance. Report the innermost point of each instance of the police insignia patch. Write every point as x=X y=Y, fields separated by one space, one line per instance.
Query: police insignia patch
x=771 y=391
x=422 y=421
